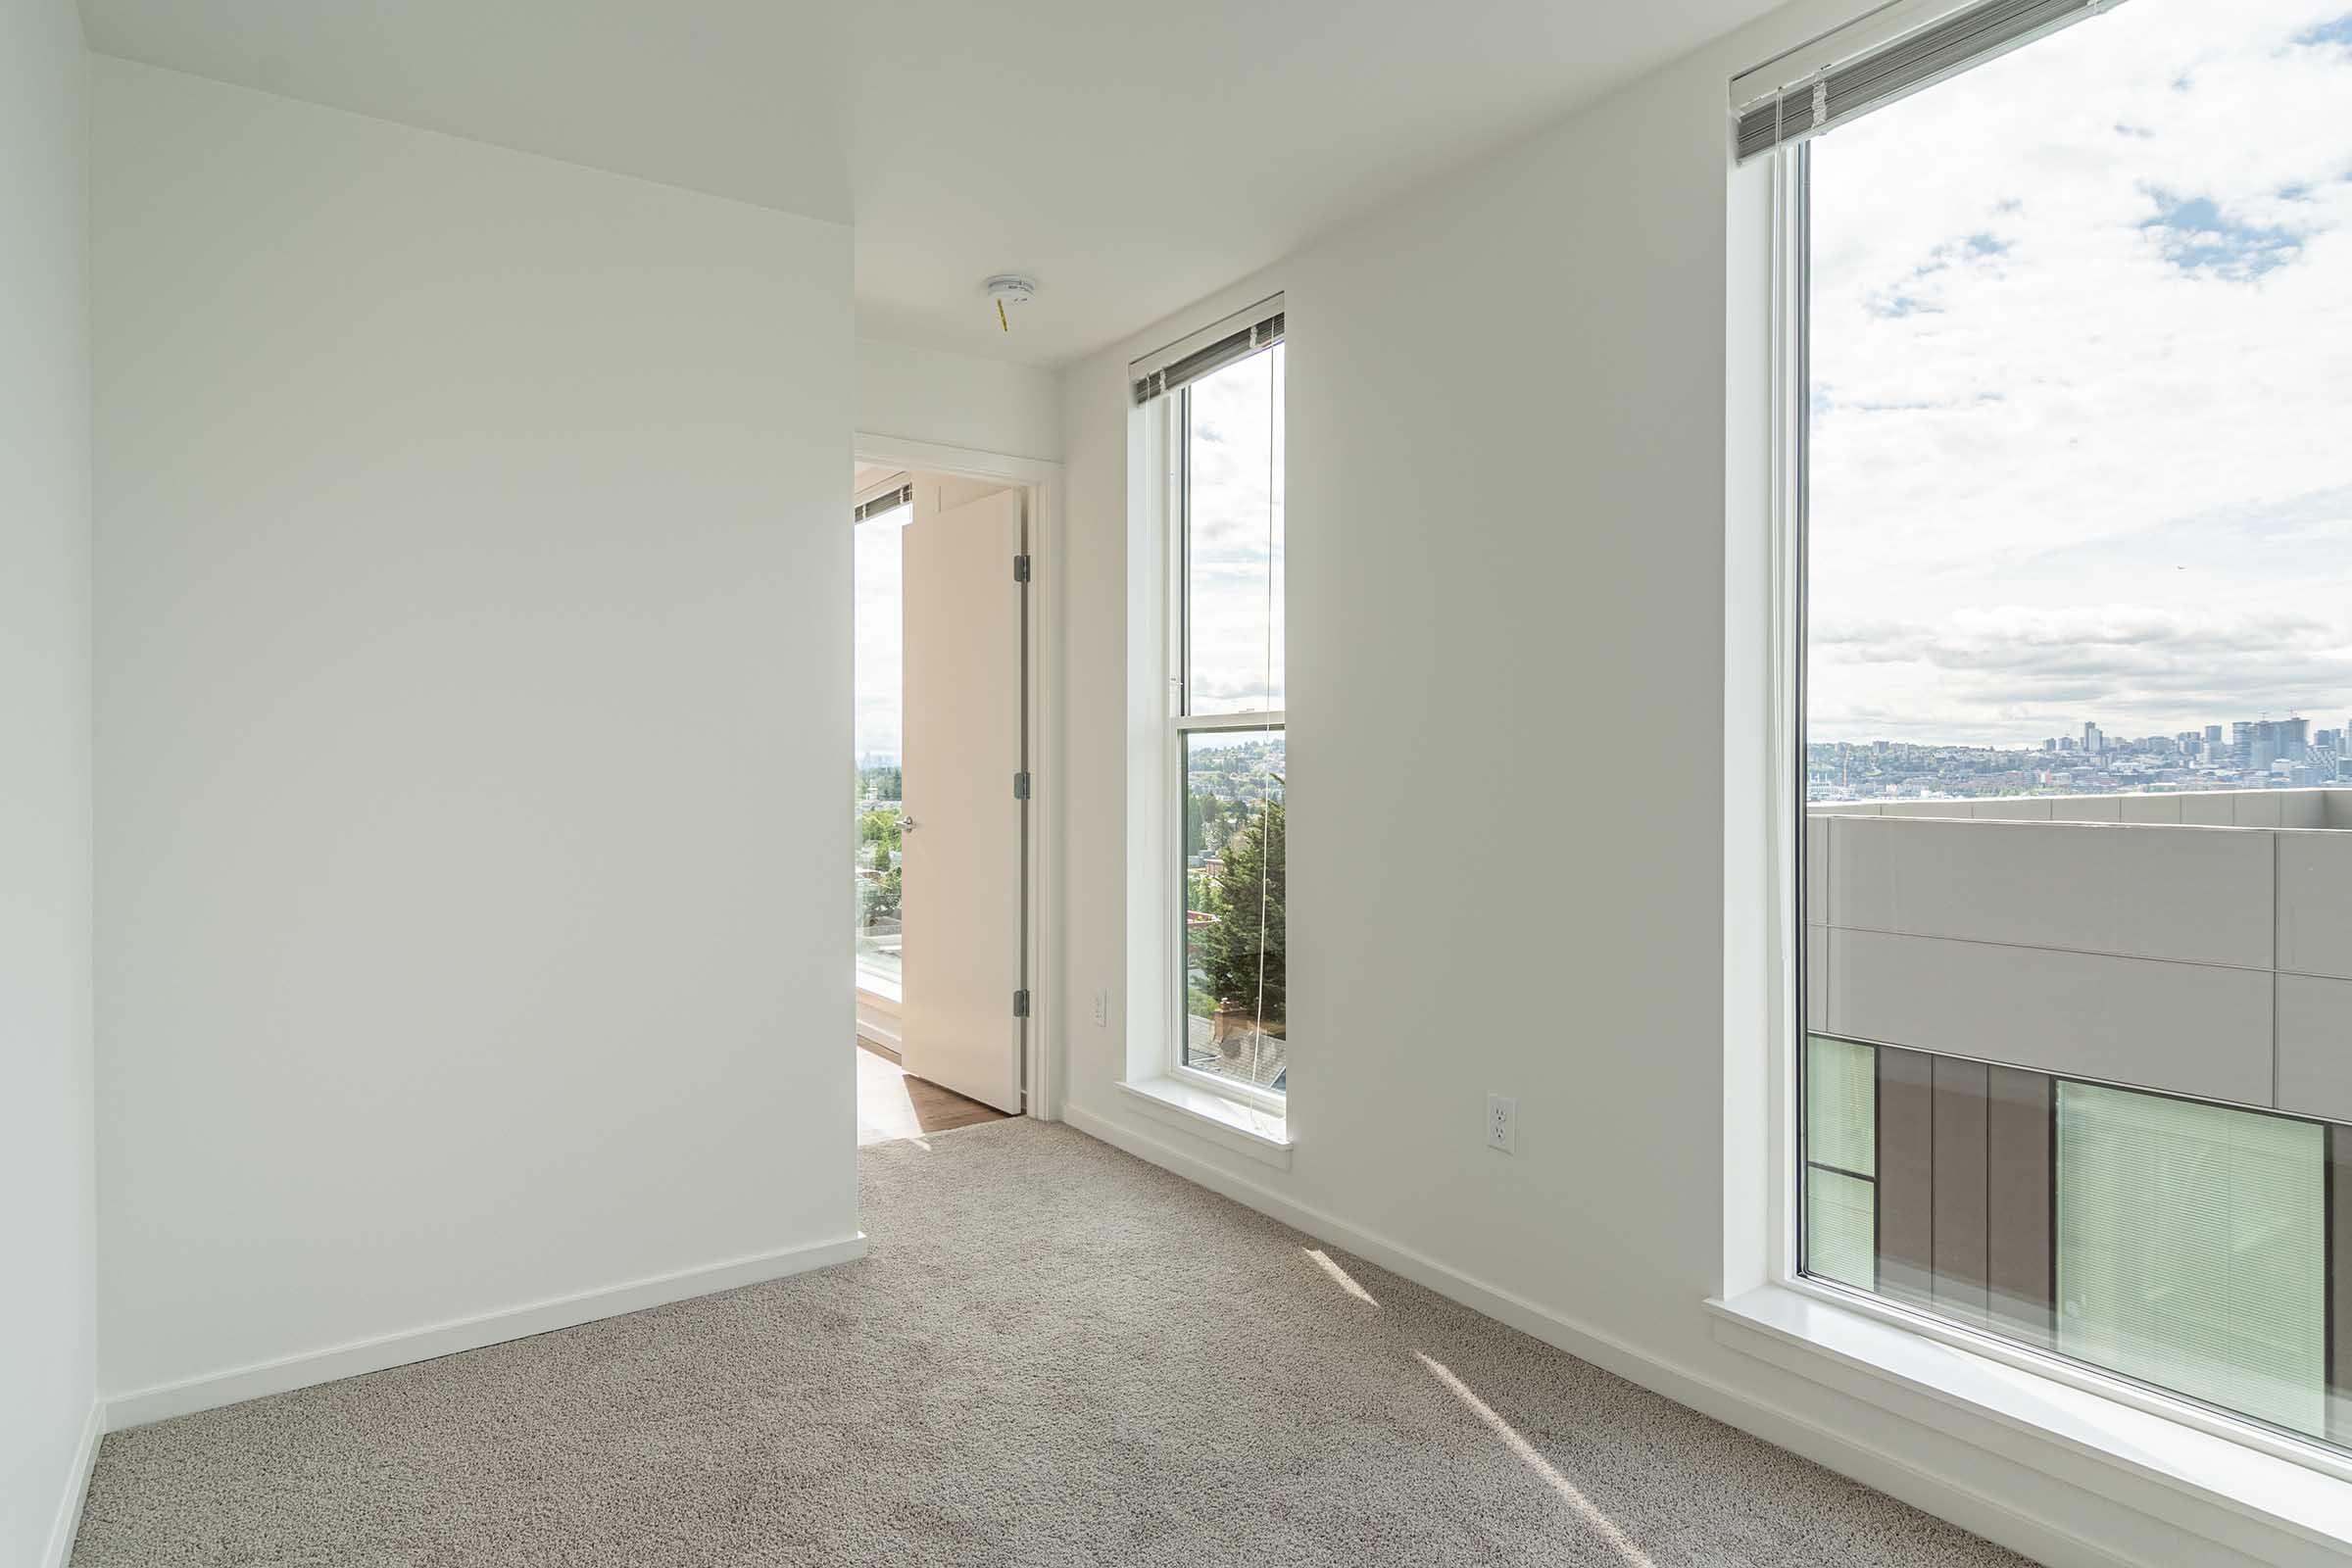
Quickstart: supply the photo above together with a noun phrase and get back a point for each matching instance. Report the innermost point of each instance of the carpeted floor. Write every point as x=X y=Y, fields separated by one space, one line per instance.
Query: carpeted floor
x=1055 y=1355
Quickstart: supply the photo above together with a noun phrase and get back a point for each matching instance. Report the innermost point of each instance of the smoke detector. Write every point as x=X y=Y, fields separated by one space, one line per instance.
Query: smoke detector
x=1009 y=290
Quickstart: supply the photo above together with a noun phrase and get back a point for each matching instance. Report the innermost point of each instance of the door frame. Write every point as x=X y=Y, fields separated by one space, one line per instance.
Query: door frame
x=1040 y=1076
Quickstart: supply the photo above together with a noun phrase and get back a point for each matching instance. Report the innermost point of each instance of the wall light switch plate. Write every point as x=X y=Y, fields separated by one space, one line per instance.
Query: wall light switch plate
x=1101 y=1008
x=1502 y=1123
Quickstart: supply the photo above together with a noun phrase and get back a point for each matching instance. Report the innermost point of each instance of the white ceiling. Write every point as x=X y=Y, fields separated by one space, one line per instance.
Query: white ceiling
x=1131 y=156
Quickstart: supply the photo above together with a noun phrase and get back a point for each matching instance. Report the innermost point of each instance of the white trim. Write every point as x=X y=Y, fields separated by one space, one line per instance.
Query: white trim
x=1248 y=718
x=1784 y=588
x=67 y=1522
x=2208 y=1422
x=142 y=1406
x=1241 y=1088
x=1041 y=1086
x=2048 y=1539
x=2105 y=1442
x=1215 y=1115
x=963 y=462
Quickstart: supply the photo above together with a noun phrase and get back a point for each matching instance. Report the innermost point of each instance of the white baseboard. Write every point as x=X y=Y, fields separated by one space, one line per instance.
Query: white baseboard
x=143 y=1406
x=2045 y=1541
x=68 y=1520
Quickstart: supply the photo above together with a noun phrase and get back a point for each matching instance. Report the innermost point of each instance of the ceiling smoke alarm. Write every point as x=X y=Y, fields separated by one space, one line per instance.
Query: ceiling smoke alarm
x=1008 y=290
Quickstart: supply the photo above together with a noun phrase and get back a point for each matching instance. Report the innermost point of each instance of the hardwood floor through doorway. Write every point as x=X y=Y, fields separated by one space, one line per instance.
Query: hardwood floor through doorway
x=893 y=1105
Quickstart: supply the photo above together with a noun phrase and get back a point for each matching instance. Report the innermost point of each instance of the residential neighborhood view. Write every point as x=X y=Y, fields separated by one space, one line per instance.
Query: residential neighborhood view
x=1235 y=892
x=878 y=803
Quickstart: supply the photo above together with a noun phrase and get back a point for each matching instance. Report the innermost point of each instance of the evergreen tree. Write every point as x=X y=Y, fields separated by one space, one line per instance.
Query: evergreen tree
x=1246 y=898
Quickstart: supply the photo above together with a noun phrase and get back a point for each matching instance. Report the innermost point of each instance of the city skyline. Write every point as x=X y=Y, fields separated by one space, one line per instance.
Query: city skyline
x=2243 y=754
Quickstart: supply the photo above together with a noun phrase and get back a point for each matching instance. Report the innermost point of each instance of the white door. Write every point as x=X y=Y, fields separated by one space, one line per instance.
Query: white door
x=961 y=908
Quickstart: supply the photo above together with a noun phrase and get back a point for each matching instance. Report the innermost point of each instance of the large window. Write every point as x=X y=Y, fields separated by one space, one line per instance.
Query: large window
x=1221 y=407
x=2069 y=385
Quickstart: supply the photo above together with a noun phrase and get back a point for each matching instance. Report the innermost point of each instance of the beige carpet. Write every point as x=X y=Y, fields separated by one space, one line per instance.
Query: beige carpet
x=1055 y=1355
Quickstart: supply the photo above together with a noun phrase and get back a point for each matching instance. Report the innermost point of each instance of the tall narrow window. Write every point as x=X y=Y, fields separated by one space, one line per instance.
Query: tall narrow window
x=877 y=560
x=2065 y=426
x=1222 y=408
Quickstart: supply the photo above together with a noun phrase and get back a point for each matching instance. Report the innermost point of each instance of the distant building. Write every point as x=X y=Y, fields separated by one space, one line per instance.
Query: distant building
x=2275 y=740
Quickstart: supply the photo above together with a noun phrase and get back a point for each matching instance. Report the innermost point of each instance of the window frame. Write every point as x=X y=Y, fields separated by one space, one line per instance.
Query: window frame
x=1169 y=421
x=1787 y=352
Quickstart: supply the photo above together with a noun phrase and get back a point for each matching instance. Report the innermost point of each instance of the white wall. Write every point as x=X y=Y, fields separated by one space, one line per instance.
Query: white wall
x=48 y=1315
x=1509 y=466
x=473 y=616
x=957 y=399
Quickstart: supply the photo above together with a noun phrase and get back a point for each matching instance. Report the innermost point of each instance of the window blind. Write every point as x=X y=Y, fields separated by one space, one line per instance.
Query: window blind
x=1850 y=72
x=901 y=496
x=1190 y=359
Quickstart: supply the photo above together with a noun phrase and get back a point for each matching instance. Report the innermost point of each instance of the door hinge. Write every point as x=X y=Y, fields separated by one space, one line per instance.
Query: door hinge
x=1020 y=1004
x=1020 y=568
x=1020 y=785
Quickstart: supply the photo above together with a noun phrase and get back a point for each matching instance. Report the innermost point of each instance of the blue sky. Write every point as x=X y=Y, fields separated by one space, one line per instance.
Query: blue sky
x=2082 y=445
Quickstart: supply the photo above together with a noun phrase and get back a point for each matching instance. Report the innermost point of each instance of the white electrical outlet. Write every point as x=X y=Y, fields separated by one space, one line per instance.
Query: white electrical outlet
x=1101 y=1008
x=1503 y=1124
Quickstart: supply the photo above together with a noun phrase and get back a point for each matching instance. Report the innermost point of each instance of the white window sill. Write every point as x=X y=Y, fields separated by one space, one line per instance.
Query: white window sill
x=1263 y=1135
x=2250 y=1497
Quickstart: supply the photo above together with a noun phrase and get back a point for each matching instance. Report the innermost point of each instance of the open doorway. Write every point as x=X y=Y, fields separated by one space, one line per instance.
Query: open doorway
x=941 y=822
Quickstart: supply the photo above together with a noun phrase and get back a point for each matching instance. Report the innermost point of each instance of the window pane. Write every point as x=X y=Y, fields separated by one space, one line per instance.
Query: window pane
x=1840 y=1217
x=1841 y=1105
x=1842 y=1158
x=2077 y=550
x=2080 y=500
x=1234 y=894
x=1233 y=538
x=2192 y=1250
x=876 y=564
x=2180 y=1242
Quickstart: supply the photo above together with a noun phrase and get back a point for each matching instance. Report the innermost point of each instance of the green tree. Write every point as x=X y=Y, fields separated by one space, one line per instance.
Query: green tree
x=878 y=899
x=1247 y=897
x=1208 y=823
x=878 y=834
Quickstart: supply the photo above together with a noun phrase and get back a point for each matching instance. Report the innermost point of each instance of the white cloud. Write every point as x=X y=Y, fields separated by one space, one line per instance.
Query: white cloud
x=1235 y=536
x=2083 y=352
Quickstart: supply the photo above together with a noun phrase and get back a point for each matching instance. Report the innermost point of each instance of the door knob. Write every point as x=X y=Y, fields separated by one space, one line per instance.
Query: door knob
x=908 y=824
